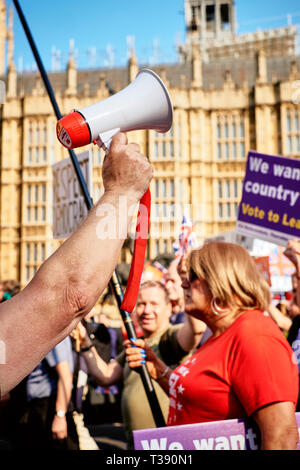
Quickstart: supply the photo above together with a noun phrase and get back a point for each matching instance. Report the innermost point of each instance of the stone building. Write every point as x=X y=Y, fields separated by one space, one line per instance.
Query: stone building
x=224 y=104
x=211 y=25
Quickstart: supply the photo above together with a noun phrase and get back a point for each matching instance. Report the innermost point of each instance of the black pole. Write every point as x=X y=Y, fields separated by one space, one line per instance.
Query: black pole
x=114 y=283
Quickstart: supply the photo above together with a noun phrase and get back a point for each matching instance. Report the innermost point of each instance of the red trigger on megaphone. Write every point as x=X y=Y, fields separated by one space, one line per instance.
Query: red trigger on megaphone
x=144 y=104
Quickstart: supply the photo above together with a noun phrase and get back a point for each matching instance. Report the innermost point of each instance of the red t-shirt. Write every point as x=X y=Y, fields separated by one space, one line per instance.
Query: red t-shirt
x=234 y=374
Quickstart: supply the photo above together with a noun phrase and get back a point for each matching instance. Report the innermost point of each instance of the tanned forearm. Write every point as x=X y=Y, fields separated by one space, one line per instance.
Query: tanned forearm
x=104 y=374
x=69 y=283
x=190 y=334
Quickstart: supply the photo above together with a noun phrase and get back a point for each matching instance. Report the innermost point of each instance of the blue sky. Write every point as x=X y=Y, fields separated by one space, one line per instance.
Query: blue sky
x=102 y=30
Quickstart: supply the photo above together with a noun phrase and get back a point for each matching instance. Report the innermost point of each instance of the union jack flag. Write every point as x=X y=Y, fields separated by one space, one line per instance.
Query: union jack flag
x=187 y=239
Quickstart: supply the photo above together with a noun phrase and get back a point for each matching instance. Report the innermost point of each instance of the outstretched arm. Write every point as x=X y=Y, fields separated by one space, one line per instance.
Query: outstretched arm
x=105 y=374
x=138 y=352
x=69 y=283
x=59 y=425
x=282 y=321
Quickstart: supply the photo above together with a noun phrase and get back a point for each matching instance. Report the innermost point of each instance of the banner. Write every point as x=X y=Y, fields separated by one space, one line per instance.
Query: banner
x=69 y=207
x=270 y=206
x=233 y=434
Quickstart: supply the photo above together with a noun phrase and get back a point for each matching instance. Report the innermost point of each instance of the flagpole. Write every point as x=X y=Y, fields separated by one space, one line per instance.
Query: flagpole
x=114 y=282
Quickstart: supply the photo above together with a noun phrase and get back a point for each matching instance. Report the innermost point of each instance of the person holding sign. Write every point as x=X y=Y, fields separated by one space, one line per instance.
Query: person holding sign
x=69 y=283
x=246 y=368
x=172 y=343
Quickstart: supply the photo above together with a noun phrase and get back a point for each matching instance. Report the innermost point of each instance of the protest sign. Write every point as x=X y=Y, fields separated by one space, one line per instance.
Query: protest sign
x=233 y=434
x=270 y=204
x=69 y=207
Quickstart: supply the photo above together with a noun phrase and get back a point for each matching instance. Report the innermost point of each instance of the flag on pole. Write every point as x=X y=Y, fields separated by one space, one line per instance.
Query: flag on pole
x=187 y=239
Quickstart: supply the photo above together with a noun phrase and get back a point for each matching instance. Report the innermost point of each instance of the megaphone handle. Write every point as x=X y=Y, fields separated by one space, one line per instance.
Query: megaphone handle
x=104 y=139
x=140 y=245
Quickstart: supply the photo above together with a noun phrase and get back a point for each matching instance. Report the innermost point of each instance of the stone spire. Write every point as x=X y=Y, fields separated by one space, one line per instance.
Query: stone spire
x=12 y=71
x=3 y=36
x=197 y=81
x=10 y=38
x=261 y=66
x=102 y=90
x=71 y=72
x=294 y=73
x=133 y=67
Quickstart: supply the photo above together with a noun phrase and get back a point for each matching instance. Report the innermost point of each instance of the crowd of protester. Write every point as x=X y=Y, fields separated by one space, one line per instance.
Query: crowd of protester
x=211 y=337
x=210 y=305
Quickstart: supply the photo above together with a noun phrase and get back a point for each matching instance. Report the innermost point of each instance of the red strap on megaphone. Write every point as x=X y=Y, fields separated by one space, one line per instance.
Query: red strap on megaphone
x=140 y=245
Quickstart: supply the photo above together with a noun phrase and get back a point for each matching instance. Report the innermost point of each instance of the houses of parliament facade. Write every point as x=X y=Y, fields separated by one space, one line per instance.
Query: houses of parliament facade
x=230 y=92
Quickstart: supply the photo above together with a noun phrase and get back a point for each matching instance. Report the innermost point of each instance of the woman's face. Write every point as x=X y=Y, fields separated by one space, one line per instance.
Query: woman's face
x=197 y=297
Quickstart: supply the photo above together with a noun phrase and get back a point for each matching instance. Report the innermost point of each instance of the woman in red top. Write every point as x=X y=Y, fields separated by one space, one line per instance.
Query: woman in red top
x=246 y=368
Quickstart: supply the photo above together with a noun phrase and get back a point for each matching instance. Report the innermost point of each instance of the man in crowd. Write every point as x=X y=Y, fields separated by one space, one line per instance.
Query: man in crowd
x=176 y=295
x=171 y=342
x=38 y=411
x=69 y=283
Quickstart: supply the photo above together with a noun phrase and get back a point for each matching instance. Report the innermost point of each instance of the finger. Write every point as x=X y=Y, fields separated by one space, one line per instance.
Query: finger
x=136 y=351
x=119 y=139
x=140 y=343
x=135 y=364
x=135 y=147
x=135 y=358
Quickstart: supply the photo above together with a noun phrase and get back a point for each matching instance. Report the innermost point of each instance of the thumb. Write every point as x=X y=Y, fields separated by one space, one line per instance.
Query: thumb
x=118 y=139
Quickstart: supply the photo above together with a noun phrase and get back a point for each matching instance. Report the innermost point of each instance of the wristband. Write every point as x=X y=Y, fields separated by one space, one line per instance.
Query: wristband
x=87 y=348
x=167 y=369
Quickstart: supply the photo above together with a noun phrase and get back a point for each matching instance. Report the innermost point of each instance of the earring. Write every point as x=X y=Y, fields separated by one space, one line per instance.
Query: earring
x=216 y=310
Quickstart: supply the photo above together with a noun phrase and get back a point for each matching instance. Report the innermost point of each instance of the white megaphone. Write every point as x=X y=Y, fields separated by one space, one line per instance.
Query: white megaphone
x=144 y=104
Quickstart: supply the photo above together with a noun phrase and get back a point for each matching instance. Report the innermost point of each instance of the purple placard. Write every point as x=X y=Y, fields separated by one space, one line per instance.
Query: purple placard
x=232 y=434
x=270 y=206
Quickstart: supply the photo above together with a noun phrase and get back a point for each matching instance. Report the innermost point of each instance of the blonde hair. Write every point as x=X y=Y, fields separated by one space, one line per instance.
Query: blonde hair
x=231 y=275
x=156 y=285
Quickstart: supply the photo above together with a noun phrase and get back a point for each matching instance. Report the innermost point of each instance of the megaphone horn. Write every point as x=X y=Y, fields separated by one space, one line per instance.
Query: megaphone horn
x=144 y=104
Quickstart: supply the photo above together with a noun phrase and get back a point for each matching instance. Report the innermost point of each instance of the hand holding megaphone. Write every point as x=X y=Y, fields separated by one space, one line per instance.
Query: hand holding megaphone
x=128 y=176
x=144 y=104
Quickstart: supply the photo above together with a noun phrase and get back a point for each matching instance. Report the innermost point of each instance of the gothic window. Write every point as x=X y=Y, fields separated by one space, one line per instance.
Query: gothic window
x=35 y=201
x=220 y=190
x=210 y=18
x=292 y=146
x=172 y=188
x=234 y=151
x=233 y=130
x=35 y=255
x=228 y=198
x=164 y=188
x=242 y=150
x=230 y=134
x=44 y=152
x=219 y=147
x=220 y=211
x=37 y=143
x=163 y=145
x=225 y=20
x=164 y=199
